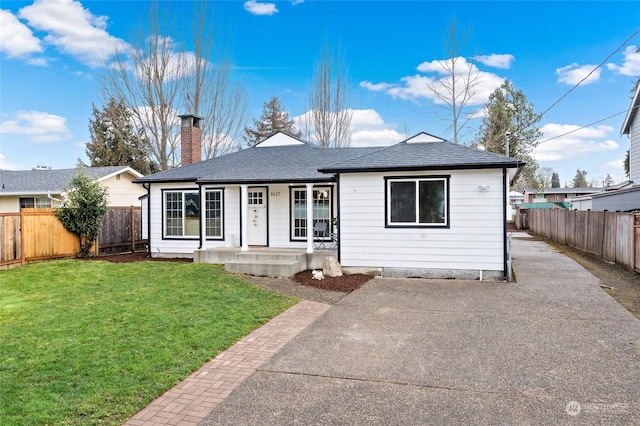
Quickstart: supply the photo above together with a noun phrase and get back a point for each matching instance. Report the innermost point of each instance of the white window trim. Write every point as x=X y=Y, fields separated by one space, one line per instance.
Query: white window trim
x=183 y=193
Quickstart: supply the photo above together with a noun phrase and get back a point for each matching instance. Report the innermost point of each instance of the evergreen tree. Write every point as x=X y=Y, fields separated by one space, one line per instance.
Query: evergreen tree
x=608 y=181
x=626 y=163
x=273 y=119
x=580 y=179
x=115 y=141
x=509 y=112
x=83 y=209
x=555 y=180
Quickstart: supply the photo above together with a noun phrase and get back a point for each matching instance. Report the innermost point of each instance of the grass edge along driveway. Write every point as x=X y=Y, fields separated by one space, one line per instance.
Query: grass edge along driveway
x=94 y=342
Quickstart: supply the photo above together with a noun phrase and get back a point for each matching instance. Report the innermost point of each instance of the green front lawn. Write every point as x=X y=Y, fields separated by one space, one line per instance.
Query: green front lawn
x=91 y=342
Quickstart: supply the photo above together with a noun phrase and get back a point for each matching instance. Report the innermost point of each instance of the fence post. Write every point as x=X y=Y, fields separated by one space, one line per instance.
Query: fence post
x=22 y=258
x=133 y=230
x=634 y=245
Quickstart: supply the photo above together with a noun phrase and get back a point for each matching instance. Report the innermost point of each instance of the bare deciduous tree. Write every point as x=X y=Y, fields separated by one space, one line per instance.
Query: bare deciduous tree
x=156 y=82
x=328 y=120
x=457 y=89
x=209 y=92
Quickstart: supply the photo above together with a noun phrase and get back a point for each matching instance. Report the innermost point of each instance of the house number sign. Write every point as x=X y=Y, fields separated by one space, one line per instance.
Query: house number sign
x=275 y=194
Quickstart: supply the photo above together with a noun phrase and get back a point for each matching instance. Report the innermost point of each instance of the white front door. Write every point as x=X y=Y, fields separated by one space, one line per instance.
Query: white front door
x=257 y=217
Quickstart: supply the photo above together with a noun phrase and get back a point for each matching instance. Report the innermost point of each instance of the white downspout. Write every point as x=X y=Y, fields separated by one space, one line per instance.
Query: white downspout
x=309 y=218
x=244 y=206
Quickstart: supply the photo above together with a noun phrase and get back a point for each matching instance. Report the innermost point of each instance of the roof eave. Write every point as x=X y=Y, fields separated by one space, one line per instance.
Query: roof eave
x=166 y=180
x=263 y=181
x=475 y=166
x=635 y=103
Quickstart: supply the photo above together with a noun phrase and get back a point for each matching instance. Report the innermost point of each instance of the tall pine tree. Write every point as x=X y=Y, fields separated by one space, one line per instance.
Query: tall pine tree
x=508 y=111
x=273 y=119
x=115 y=141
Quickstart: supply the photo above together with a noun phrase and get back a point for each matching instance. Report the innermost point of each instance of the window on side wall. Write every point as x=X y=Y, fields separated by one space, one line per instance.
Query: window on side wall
x=181 y=214
x=417 y=202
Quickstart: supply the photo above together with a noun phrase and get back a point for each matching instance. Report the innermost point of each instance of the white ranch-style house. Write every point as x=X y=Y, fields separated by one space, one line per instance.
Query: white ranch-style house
x=424 y=207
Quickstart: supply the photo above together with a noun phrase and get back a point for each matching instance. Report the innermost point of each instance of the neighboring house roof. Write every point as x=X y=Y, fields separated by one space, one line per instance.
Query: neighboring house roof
x=564 y=191
x=525 y=206
x=631 y=113
x=305 y=162
x=41 y=181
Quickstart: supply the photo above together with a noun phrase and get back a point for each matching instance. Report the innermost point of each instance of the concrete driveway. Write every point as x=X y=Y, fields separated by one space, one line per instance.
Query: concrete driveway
x=552 y=348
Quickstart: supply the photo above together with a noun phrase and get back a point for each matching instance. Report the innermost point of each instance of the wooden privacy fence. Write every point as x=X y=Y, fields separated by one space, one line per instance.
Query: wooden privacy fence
x=121 y=230
x=37 y=234
x=613 y=236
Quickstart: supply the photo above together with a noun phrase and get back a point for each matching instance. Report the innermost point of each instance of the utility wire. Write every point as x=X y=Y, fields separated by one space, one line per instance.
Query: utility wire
x=592 y=71
x=586 y=125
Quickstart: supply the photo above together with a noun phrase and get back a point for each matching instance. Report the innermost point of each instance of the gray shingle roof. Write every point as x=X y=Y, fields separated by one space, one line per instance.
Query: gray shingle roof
x=309 y=163
x=47 y=180
x=424 y=155
x=295 y=163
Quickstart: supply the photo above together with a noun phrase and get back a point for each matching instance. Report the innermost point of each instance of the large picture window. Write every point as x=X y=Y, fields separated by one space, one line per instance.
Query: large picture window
x=321 y=210
x=182 y=214
x=419 y=202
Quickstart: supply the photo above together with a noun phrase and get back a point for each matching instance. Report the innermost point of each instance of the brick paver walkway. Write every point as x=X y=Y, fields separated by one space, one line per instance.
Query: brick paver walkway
x=191 y=400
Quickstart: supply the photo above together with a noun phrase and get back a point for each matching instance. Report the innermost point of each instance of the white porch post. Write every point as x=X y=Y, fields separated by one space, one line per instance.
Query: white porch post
x=244 y=208
x=203 y=218
x=309 y=218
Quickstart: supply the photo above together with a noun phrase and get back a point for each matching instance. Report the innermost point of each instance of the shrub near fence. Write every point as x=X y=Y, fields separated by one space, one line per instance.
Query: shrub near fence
x=613 y=236
x=37 y=234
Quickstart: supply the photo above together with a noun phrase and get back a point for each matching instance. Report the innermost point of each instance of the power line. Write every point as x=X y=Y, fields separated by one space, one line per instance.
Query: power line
x=585 y=126
x=592 y=71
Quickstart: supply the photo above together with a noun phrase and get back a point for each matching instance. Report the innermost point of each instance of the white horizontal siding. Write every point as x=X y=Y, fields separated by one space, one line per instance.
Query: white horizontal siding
x=634 y=153
x=123 y=192
x=473 y=241
x=279 y=211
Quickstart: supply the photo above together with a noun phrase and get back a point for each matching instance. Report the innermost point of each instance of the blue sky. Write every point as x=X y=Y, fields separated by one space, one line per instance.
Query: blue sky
x=52 y=52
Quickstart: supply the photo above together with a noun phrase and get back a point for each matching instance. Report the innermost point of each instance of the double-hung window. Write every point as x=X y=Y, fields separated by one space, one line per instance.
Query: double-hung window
x=417 y=201
x=182 y=214
x=321 y=210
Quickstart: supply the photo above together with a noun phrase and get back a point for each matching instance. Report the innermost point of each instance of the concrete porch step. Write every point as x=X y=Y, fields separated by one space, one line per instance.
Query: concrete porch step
x=266 y=268
x=271 y=256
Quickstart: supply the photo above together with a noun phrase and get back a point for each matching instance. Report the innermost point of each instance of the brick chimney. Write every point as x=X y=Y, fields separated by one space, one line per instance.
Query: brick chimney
x=191 y=139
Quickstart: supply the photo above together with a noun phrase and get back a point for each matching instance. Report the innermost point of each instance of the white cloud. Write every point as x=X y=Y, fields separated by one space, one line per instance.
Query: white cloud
x=502 y=61
x=630 y=65
x=578 y=143
x=380 y=87
x=553 y=130
x=295 y=2
x=40 y=126
x=16 y=39
x=574 y=73
x=417 y=87
x=264 y=9
x=368 y=128
x=72 y=29
x=5 y=165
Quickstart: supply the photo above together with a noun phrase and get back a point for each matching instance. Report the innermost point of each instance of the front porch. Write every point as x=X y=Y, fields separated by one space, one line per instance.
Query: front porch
x=263 y=261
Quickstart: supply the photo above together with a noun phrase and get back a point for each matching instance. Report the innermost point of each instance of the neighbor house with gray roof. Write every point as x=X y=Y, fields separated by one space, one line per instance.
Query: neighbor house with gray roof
x=43 y=187
x=424 y=207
